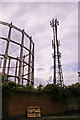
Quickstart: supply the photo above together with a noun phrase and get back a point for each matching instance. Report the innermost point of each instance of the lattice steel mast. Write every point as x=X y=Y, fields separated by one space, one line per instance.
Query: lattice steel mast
x=57 y=73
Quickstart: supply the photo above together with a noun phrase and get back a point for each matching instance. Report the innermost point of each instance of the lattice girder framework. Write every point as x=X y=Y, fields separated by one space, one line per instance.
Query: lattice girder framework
x=57 y=74
x=16 y=54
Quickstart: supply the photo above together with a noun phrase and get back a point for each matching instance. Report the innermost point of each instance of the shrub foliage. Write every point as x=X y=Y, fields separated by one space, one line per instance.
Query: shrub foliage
x=58 y=93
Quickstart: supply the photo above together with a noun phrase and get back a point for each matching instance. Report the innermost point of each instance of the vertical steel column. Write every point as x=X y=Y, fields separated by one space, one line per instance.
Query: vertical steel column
x=23 y=70
x=54 y=79
x=21 y=55
x=29 y=60
x=33 y=64
x=8 y=66
x=58 y=53
x=16 y=69
x=7 y=47
x=0 y=62
x=52 y=23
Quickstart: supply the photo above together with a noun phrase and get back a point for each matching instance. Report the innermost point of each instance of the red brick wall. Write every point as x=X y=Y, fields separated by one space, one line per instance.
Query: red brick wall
x=5 y=106
x=18 y=103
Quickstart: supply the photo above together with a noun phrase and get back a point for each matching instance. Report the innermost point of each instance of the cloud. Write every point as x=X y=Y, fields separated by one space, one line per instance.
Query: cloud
x=39 y=81
x=71 y=77
x=51 y=67
x=40 y=69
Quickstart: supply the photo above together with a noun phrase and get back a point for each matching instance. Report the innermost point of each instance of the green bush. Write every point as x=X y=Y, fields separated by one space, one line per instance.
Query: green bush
x=58 y=93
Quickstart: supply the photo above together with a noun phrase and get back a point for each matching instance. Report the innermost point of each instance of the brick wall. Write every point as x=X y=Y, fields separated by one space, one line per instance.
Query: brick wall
x=18 y=102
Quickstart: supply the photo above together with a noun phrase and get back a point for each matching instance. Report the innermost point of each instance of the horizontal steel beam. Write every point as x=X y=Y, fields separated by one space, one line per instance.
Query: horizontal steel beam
x=16 y=43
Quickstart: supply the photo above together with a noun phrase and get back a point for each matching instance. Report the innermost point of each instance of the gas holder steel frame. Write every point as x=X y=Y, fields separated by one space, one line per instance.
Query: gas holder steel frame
x=24 y=62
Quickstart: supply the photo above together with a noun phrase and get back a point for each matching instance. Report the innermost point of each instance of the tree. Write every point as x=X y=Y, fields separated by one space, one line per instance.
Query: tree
x=79 y=73
x=40 y=87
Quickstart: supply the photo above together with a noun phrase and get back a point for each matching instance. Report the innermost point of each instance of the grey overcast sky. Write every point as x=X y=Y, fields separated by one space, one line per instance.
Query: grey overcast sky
x=34 y=18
